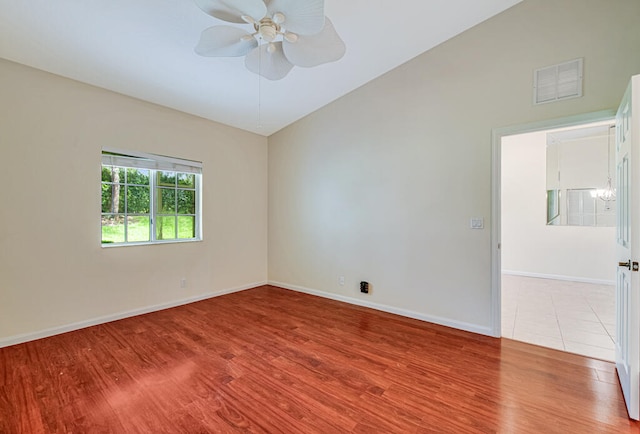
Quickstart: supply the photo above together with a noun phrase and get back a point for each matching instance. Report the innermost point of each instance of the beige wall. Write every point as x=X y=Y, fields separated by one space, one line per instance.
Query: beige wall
x=381 y=184
x=53 y=271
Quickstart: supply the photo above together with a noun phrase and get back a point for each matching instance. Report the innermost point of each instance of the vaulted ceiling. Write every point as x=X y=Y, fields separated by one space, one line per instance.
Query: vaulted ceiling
x=145 y=49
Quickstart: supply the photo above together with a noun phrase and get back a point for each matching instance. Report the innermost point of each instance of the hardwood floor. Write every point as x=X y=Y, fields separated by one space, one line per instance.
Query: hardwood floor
x=272 y=360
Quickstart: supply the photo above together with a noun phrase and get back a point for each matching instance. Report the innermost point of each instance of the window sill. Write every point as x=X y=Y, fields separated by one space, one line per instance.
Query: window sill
x=149 y=243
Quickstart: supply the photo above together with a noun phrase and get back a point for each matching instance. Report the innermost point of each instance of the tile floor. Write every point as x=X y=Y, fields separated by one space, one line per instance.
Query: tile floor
x=570 y=316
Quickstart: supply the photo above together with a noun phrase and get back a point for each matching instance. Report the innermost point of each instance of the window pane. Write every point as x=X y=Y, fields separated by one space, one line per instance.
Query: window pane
x=186 y=180
x=138 y=176
x=112 y=198
x=112 y=174
x=167 y=179
x=118 y=192
x=113 y=228
x=186 y=202
x=166 y=228
x=138 y=200
x=106 y=197
x=138 y=229
x=106 y=174
x=166 y=203
x=186 y=227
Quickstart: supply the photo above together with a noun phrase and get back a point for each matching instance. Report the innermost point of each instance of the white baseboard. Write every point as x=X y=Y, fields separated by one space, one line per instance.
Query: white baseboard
x=474 y=328
x=18 y=339
x=559 y=277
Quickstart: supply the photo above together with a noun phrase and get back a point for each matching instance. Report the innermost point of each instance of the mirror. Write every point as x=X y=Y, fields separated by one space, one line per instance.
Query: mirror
x=579 y=164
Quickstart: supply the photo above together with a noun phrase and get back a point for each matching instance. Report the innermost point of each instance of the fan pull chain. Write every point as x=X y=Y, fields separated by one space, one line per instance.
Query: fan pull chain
x=259 y=126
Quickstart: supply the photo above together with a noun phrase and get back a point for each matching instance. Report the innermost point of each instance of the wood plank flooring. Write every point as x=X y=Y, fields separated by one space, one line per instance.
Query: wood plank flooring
x=272 y=360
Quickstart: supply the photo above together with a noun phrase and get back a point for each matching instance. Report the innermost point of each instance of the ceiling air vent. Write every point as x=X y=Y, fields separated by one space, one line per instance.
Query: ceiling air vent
x=558 y=82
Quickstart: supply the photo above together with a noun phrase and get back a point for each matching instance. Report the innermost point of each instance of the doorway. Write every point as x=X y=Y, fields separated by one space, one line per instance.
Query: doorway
x=555 y=243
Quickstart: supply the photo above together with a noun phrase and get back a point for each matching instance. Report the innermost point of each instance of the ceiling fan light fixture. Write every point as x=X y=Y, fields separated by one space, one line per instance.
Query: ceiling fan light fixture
x=278 y=18
x=271 y=48
x=268 y=30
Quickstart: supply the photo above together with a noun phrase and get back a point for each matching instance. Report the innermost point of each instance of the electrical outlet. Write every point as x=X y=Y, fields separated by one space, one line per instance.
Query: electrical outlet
x=183 y=283
x=364 y=287
x=341 y=280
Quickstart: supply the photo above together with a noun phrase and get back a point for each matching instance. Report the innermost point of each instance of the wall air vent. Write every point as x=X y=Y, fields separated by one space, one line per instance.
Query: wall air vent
x=558 y=82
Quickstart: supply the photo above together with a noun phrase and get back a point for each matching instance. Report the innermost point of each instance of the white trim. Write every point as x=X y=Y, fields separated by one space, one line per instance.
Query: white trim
x=559 y=277
x=496 y=142
x=473 y=328
x=151 y=243
x=26 y=337
x=496 y=236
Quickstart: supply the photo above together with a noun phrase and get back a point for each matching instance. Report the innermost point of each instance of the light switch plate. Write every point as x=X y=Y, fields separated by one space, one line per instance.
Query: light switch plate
x=477 y=223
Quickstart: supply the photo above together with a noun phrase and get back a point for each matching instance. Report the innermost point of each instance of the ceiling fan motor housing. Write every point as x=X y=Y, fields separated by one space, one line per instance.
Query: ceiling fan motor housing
x=267 y=29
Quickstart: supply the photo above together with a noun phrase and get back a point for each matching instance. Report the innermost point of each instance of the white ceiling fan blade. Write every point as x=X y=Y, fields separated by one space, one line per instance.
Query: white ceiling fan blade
x=305 y=17
x=273 y=66
x=233 y=10
x=225 y=41
x=315 y=50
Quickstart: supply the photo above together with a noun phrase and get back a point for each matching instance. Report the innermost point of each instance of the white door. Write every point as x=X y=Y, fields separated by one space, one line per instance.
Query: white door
x=628 y=247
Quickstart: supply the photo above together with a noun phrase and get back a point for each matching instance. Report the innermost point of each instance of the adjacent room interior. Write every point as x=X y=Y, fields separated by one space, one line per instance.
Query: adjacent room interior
x=310 y=185
x=558 y=239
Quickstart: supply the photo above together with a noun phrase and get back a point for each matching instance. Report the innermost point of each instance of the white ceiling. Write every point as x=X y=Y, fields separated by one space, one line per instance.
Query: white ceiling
x=144 y=48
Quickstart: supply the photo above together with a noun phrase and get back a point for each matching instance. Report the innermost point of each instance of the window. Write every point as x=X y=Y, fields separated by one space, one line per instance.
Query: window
x=581 y=207
x=584 y=208
x=553 y=207
x=149 y=199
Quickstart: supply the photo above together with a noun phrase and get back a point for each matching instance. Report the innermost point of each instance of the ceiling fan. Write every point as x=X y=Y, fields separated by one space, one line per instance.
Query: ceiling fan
x=284 y=34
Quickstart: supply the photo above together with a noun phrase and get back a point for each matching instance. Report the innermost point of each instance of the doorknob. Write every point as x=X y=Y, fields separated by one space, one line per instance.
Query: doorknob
x=625 y=264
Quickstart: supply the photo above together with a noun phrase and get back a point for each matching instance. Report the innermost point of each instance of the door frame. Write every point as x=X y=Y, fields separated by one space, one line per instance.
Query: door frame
x=496 y=188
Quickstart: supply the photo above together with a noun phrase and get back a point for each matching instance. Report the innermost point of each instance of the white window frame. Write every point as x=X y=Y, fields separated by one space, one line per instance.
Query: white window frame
x=155 y=163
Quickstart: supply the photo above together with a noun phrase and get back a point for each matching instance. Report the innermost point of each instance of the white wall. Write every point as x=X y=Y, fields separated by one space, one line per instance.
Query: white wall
x=529 y=246
x=380 y=185
x=53 y=270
